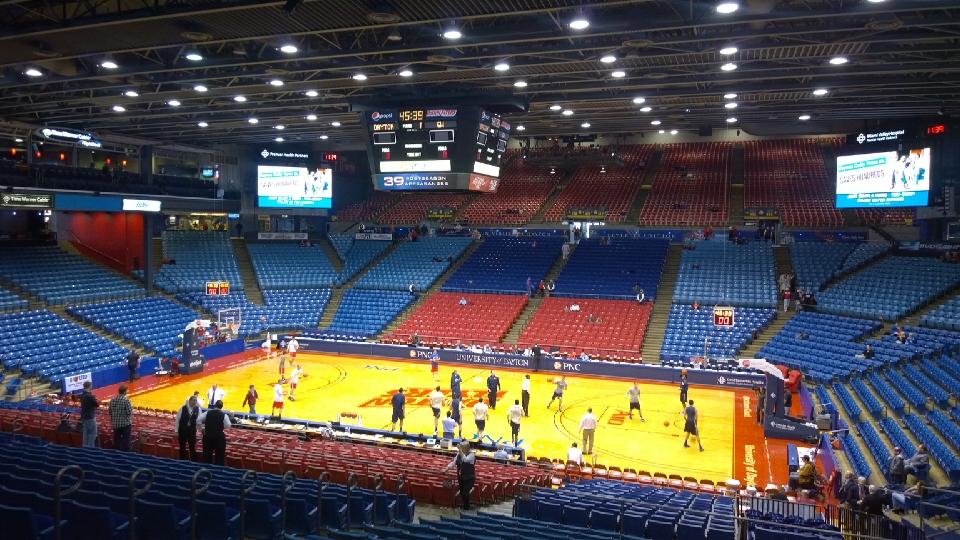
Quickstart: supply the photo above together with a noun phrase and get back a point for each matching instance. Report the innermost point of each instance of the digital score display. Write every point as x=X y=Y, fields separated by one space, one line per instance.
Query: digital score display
x=938 y=129
x=492 y=135
x=413 y=140
x=723 y=316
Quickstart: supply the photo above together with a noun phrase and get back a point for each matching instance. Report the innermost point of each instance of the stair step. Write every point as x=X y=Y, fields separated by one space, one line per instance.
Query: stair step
x=657 y=325
x=251 y=289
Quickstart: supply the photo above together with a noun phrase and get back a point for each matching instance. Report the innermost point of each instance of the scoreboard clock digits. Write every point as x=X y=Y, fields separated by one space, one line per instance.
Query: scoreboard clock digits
x=723 y=316
x=411 y=116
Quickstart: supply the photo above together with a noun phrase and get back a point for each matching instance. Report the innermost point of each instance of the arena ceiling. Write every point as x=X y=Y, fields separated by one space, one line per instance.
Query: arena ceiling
x=296 y=63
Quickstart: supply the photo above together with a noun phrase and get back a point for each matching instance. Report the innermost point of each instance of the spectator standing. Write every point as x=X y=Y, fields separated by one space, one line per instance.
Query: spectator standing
x=455 y=380
x=786 y=300
x=525 y=394
x=187 y=428
x=215 y=394
x=133 y=363
x=121 y=419
x=514 y=413
x=88 y=415
x=574 y=454
x=896 y=467
x=214 y=422
x=399 y=404
x=493 y=388
x=480 y=411
x=251 y=399
x=849 y=491
x=466 y=464
x=588 y=426
x=537 y=353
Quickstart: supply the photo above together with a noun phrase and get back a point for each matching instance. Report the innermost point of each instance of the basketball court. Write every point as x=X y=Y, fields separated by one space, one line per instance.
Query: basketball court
x=734 y=443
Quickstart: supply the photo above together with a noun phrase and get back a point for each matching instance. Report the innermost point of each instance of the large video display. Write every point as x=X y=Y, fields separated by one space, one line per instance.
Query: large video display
x=885 y=179
x=294 y=187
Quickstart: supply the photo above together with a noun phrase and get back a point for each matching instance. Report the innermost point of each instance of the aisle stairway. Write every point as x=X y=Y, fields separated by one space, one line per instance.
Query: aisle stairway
x=782 y=265
x=335 y=261
x=156 y=248
x=547 y=204
x=657 y=327
x=249 y=276
x=336 y=293
x=521 y=322
x=649 y=173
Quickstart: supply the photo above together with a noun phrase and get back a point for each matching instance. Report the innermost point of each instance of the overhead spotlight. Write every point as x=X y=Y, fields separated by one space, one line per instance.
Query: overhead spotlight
x=359 y=77
x=501 y=66
x=731 y=120
x=662 y=131
x=731 y=95
x=876 y=1
x=280 y=127
x=731 y=105
x=520 y=84
x=253 y=121
x=394 y=36
x=289 y=49
x=276 y=82
x=311 y=93
x=279 y=139
x=555 y=107
x=673 y=132
x=821 y=92
x=655 y=123
x=324 y=137
x=131 y=93
x=18 y=139
x=726 y=8
x=311 y=117
x=405 y=73
x=579 y=23
x=729 y=66
x=618 y=74
x=803 y=117
x=727 y=51
x=33 y=72
x=838 y=60
x=521 y=127
x=568 y=112
x=119 y=108
x=639 y=100
x=239 y=99
x=109 y=64
x=335 y=123
x=200 y=88
x=452 y=33
x=202 y=124
x=585 y=125
x=646 y=109
x=608 y=59
x=174 y=103
x=194 y=56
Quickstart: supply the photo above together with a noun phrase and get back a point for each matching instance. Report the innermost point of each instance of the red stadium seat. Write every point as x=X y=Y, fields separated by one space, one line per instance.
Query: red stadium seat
x=441 y=320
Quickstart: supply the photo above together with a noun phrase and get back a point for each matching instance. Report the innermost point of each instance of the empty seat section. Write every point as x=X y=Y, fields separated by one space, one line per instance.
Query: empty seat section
x=359 y=254
x=790 y=176
x=605 y=329
x=863 y=254
x=690 y=331
x=616 y=268
x=945 y=316
x=285 y=309
x=368 y=209
x=690 y=187
x=150 y=323
x=11 y=302
x=58 y=277
x=442 y=320
x=364 y=313
x=522 y=191
x=504 y=263
x=417 y=263
x=725 y=273
x=192 y=258
x=814 y=263
x=291 y=266
x=412 y=208
x=890 y=288
x=342 y=244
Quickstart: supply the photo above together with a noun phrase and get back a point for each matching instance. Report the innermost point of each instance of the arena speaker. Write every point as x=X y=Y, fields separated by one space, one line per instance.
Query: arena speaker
x=705 y=131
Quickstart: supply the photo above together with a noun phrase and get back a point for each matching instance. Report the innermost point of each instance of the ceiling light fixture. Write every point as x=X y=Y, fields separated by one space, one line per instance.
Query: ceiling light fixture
x=359 y=77
x=279 y=139
x=452 y=33
x=618 y=74
x=289 y=49
x=639 y=100
x=202 y=124
x=311 y=117
x=280 y=127
x=731 y=95
x=821 y=92
x=200 y=88
x=324 y=137
x=646 y=109
x=731 y=105
x=405 y=73
x=131 y=93
x=568 y=112
x=731 y=120
x=239 y=99
x=311 y=93
x=655 y=123
x=673 y=132
x=521 y=127
x=579 y=23
x=253 y=121
x=174 y=103
x=276 y=82
x=555 y=107
x=335 y=123
x=119 y=108
x=729 y=66
x=18 y=139
x=501 y=66
x=608 y=59
x=520 y=84
x=109 y=64
x=725 y=8
x=585 y=125
x=803 y=117
x=194 y=57
x=661 y=131
x=727 y=51
x=838 y=60
x=33 y=72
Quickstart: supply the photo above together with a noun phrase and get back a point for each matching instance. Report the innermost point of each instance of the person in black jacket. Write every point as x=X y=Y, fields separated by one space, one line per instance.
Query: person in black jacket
x=466 y=463
x=187 y=428
x=133 y=362
x=88 y=415
x=214 y=422
x=849 y=491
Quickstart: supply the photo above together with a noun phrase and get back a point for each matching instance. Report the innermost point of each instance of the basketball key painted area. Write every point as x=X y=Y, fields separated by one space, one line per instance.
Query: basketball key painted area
x=364 y=386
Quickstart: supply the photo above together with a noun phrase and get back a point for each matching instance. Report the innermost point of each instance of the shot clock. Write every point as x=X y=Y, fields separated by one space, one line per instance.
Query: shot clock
x=723 y=316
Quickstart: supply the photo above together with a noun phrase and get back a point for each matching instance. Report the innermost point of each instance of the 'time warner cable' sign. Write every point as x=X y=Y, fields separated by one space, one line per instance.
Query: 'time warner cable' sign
x=68 y=136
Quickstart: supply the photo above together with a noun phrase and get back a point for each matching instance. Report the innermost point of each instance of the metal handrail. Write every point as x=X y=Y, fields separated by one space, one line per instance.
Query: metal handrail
x=136 y=492
x=244 y=491
x=289 y=480
x=195 y=490
x=59 y=494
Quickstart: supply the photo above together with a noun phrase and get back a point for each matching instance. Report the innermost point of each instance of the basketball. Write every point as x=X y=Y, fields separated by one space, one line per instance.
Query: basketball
x=666 y=423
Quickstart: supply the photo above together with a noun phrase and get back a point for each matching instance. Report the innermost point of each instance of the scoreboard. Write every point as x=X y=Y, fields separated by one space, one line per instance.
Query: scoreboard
x=436 y=148
x=723 y=316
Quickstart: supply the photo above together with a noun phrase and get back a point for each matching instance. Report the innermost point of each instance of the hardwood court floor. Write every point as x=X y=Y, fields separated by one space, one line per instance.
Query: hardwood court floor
x=357 y=385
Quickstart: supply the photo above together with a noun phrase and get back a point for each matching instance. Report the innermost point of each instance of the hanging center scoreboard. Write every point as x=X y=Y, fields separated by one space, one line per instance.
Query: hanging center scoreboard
x=436 y=148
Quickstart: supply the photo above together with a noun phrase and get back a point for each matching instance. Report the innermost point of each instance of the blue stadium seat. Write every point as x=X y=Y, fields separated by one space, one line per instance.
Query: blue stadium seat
x=57 y=277
x=717 y=272
x=613 y=268
x=503 y=264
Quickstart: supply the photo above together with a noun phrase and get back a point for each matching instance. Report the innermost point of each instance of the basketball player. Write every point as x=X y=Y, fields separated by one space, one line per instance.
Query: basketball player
x=282 y=368
x=265 y=347
x=513 y=416
x=633 y=394
x=558 y=392
x=399 y=403
x=480 y=417
x=295 y=380
x=690 y=426
x=436 y=403
x=434 y=364
x=292 y=347
x=277 y=409
x=683 y=392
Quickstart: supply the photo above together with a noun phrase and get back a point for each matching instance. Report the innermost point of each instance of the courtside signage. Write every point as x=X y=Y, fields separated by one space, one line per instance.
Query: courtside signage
x=26 y=200
x=68 y=136
x=141 y=205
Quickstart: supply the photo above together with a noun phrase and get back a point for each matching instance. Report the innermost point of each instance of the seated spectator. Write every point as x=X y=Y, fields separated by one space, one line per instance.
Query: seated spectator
x=414 y=340
x=584 y=356
x=919 y=462
x=574 y=307
x=807 y=475
x=901 y=335
x=574 y=455
x=528 y=352
x=708 y=232
x=899 y=499
x=867 y=353
x=487 y=349
x=501 y=455
x=696 y=305
x=474 y=348
x=809 y=300
x=463 y=301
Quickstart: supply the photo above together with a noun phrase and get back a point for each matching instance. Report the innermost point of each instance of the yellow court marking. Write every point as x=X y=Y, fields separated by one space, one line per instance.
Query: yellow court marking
x=343 y=384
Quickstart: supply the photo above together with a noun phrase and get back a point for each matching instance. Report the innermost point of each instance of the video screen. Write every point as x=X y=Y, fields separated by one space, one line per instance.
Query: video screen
x=294 y=187
x=888 y=179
